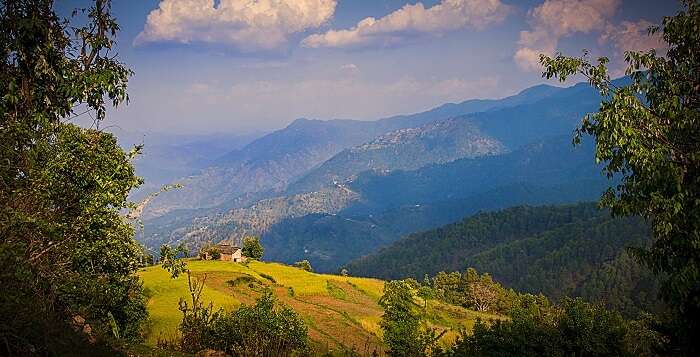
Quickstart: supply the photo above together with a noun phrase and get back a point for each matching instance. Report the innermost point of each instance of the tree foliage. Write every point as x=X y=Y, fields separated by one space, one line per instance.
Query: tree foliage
x=480 y=292
x=65 y=251
x=573 y=250
x=404 y=334
x=648 y=133
x=304 y=264
x=261 y=329
x=252 y=248
x=170 y=259
x=575 y=328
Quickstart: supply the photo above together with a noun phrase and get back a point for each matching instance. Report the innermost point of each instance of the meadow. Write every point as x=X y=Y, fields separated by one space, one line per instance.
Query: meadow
x=341 y=312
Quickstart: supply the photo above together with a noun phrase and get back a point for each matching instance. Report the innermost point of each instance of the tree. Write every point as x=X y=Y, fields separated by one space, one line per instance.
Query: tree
x=403 y=333
x=210 y=250
x=401 y=325
x=647 y=133
x=304 y=264
x=425 y=292
x=252 y=248
x=66 y=253
x=480 y=291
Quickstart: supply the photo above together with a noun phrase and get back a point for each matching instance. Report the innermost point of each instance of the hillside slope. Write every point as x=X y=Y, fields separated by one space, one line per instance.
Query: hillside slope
x=255 y=219
x=573 y=250
x=404 y=149
x=331 y=240
x=338 y=311
x=548 y=162
x=268 y=163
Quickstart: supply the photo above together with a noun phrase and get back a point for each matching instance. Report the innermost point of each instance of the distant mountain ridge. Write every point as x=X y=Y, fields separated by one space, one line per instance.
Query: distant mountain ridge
x=403 y=149
x=276 y=159
x=548 y=162
x=530 y=116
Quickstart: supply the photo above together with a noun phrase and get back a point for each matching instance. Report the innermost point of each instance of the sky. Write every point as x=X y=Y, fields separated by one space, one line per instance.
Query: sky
x=242 y=66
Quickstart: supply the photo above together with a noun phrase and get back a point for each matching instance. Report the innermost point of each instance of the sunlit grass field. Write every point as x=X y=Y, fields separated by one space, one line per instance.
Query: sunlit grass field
x=339 y=311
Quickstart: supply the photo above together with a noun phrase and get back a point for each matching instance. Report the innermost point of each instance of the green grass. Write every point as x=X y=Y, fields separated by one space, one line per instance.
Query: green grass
x=338 y=310
x=165 y=293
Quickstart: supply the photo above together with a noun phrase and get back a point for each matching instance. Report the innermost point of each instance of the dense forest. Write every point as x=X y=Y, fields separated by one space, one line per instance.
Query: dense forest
x=573 y=250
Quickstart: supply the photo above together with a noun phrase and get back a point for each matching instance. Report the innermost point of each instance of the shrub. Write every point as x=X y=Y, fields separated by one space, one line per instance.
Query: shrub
x=242 y=280
x=268 y=277
x=247 y=331
x=261 y=327
x=304 y=264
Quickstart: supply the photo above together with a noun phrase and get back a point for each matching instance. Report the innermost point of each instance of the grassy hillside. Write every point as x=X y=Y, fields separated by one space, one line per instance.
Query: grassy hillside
x=339 y=311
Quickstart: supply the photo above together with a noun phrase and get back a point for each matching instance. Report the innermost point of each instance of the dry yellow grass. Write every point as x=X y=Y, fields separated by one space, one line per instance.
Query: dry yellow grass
x=338 y=310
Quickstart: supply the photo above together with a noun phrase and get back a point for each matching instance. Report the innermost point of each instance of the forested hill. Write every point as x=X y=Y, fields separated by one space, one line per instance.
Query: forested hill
x=573 y=250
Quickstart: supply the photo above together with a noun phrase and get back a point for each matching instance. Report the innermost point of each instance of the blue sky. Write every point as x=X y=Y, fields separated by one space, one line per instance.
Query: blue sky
x=205 y=66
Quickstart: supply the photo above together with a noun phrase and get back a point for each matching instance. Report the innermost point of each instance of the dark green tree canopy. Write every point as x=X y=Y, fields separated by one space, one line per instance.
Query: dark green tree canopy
x=648 y=133
x=65 y=249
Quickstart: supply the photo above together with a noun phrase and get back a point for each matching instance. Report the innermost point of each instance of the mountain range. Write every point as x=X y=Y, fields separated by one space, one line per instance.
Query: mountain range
x=332 y=191
x=277 y=159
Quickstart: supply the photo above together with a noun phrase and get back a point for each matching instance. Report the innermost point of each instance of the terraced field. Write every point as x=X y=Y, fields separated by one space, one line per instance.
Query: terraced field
x=339 y=311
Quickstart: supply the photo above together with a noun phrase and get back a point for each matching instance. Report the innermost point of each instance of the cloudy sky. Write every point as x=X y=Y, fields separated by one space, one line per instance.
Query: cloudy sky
x=204 y=66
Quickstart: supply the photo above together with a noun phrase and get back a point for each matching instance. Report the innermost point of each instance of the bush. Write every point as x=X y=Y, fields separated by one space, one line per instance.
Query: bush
x=268 y=277
x=304 y=264
x=261 y=327
x=246 y=331
x=242 y=280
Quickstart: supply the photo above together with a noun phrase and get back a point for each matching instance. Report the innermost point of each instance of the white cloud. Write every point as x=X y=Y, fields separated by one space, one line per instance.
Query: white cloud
x=247 y=25
x=555 y=19
x=410 y=20
x=632 y=36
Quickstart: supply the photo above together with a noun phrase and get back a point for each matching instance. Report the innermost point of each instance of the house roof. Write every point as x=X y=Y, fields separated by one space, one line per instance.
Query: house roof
x=226 y=248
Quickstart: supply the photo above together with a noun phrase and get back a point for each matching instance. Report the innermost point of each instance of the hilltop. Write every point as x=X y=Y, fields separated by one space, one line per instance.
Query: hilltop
x=339 y=311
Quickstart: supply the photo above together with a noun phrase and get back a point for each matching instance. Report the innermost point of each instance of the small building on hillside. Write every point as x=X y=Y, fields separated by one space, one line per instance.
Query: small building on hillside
x=227 y=252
